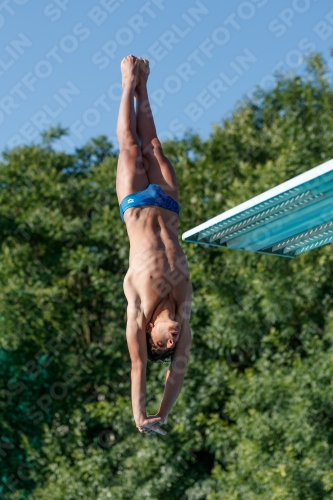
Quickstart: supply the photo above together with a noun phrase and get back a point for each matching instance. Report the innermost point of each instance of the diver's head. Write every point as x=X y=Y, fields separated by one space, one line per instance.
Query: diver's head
x=162 y=337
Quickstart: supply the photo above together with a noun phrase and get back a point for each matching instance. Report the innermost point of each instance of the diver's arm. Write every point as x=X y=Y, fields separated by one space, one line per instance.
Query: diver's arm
x=138 y=393
x=176 y=373
x=136 y=341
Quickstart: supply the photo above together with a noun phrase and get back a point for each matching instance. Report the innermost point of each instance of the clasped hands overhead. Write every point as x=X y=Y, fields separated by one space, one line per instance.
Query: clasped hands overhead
x=151 y=425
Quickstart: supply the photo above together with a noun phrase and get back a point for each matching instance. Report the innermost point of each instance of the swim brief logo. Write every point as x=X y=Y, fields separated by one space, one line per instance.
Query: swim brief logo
x=130 y=200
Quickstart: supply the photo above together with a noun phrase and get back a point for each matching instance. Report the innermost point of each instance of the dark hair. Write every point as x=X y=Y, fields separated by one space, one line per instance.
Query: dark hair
x=156 y=353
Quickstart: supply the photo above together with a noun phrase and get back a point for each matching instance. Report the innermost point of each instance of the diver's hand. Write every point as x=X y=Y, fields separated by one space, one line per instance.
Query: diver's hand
x=151 y=425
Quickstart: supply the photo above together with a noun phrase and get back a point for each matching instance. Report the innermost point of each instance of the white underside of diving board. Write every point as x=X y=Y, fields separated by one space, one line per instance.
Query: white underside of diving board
x=305 y=201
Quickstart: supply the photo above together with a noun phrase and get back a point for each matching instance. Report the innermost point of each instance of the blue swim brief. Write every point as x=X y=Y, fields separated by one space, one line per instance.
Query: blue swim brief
x=153 y=195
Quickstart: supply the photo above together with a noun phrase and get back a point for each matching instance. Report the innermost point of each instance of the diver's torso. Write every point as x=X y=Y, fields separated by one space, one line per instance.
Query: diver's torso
x=157 y=263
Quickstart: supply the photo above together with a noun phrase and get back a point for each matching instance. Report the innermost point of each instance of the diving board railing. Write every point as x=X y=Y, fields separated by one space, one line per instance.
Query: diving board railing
x=287 y=220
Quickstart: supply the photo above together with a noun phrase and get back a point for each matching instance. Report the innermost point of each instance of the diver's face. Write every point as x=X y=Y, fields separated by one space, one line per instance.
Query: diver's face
x=165 y=334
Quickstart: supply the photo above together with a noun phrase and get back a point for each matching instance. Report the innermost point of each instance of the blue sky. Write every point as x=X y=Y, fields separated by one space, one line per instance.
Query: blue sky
x=60 y=60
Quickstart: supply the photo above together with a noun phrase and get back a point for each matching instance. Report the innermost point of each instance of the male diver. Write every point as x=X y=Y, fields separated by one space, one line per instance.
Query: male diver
x=157 y=285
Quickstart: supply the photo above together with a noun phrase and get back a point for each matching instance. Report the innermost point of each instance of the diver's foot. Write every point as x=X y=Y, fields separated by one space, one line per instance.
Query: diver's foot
x=143 y=73
x=129 y=71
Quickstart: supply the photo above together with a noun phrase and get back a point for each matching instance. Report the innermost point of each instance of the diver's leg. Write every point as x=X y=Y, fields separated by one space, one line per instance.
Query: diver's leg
x=159 y=169
x=131 y=175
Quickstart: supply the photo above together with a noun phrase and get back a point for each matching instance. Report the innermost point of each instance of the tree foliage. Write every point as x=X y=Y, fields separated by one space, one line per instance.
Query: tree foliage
x=254 y=420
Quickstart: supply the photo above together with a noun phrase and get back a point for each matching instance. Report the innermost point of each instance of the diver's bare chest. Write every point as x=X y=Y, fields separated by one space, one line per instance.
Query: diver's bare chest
x=159 y=278
x=157 y=267
x=153 y=279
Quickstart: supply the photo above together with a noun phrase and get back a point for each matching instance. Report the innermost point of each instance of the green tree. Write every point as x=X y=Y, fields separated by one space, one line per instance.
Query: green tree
x=255 y=416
